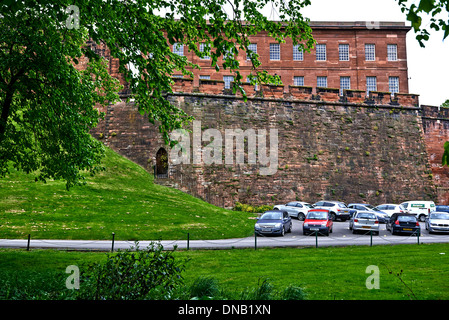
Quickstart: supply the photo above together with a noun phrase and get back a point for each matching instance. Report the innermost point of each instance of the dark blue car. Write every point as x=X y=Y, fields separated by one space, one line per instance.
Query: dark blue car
x=273 y=222
x=442 y=208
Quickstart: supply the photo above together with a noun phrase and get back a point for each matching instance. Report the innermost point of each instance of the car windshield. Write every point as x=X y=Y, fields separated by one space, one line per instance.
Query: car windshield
x=318 y=215
x=308 y=205
x=272 y=216
x=407 y=218
x=369 y=206
x=442 y=216
x=363 y=215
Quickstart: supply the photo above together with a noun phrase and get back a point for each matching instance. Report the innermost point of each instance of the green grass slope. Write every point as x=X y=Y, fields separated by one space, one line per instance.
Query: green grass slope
x=122 y=199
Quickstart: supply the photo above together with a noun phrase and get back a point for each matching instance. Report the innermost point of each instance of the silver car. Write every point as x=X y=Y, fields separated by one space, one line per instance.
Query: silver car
x=295 y=209
x=364 y=221
x=437 y=222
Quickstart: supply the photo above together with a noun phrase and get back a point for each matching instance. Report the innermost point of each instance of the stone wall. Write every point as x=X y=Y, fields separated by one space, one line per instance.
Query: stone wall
x=351 y=148
x=436 y=130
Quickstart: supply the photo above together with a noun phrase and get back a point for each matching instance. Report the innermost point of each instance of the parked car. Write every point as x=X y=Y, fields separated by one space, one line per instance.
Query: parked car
x=403 y=223
x=296 y=209
x=390 y=208
x=274 y=222
x=318 y=220
x=337 y=209
x=442 y=208
x=381 y=216
x=419 y=208
x=437 y=222
x=364 y=221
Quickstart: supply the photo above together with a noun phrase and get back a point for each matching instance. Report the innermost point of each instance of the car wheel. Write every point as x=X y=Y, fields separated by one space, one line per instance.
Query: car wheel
x=422 y=218
x=333 y=216
x=283 y=231
x=290 y=228
x=301 y=216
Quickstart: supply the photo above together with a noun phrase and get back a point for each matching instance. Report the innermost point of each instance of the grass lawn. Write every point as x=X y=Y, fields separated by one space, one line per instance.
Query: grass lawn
x=324 y=273
x=122 y=199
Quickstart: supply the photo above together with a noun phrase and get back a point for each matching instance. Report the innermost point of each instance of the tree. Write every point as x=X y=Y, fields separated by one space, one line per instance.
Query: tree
x=437 y=9
x=48 y=104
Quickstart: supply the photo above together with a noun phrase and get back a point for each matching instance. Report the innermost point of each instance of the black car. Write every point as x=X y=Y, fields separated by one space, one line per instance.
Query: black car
x=403 y=223
x=274 y=222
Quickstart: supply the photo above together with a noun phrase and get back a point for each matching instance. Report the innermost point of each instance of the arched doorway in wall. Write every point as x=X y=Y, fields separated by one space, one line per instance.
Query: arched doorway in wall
x=161 y=168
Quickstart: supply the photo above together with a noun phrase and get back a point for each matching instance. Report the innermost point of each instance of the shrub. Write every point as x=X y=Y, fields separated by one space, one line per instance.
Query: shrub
x=137 y=274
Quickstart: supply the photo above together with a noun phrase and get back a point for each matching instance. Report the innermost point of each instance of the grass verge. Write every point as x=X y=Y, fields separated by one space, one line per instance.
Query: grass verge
x=123 y=199
x=417 y=271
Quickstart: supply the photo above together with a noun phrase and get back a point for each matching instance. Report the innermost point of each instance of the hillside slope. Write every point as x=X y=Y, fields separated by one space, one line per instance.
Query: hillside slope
x=122 y=199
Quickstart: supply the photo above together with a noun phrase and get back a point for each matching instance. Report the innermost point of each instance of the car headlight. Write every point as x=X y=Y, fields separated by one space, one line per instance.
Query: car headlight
x=256 y=225
x=306 y=224
x=278 y=225
x=323 y=224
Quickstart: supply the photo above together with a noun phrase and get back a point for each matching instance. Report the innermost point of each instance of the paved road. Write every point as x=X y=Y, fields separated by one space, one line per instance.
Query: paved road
x=341 y=236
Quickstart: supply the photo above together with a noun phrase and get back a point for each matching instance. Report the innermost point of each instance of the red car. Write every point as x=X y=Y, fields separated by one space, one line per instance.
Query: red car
x=318 y=220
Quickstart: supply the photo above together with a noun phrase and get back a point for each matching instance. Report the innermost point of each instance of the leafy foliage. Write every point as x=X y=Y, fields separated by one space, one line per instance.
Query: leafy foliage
x=438 y=11
x=48 y=105
x=142 y=274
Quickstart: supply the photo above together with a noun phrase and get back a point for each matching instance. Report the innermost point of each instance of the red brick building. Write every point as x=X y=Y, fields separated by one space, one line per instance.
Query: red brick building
x=347 y=55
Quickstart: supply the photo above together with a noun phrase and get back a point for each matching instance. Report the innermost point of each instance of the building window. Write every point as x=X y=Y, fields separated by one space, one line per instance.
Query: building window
x=343 y=52
x=370 y=52
x=321 y=52
x=204 y=48
x=253 y=48
x=227 y=81
x=178 y=48
x=393 y=83
x=298 y=81
x=177 y=76
x=275 y=51
x=298 y=53
x=371 y=84
x=392 y=52
x=321 y=82
x=345 y=83
x=204 y=77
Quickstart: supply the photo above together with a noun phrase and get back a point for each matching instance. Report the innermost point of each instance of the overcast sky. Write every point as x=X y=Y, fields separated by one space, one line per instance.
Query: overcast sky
x=428 y=67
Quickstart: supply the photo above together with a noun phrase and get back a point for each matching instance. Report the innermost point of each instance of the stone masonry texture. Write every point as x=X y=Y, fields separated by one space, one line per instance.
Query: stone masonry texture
x=372 y=150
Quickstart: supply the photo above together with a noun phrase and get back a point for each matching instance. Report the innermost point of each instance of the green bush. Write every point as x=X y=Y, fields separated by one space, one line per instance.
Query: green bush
x=133 y=274
x=253 y=209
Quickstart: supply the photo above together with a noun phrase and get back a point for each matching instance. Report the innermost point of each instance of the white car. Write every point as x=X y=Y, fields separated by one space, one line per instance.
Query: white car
x=421 y=209
x=390 y=208
x=295 y=209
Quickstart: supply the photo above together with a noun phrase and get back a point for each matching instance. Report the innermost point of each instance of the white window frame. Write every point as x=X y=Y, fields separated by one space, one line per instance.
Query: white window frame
x=371 y=84
x=393 y=84
x=345 y=84
x=321 y=52
x=178 y=48
x=392 y=52
x=253 y=48
x=202 y=47
x=343 y=52
x=275 y=51
x=321 y=82
x=370 y=52
x=227 y=81
x=298 y=80
x=298 y=54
